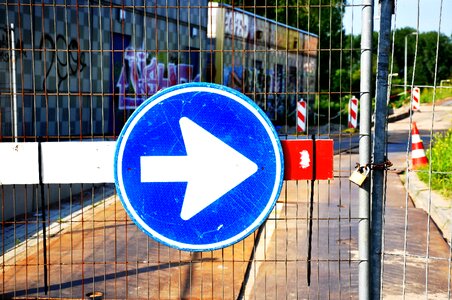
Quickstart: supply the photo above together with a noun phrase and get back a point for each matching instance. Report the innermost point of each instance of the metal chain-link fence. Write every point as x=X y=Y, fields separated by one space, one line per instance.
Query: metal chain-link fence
x=73 y=72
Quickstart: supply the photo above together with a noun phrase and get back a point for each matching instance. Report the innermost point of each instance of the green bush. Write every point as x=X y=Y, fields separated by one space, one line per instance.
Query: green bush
x=400 y=98
x=440 y=158
x=441 y=93
x=331 y=109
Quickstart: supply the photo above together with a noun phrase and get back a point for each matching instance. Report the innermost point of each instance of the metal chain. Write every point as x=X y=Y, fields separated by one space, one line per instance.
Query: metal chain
x=374 y=166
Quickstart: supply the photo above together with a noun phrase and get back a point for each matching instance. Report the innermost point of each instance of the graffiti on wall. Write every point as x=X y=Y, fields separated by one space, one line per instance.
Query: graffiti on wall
x=141 y=78
x=5 y=45
x=268 y=88
x=237 y=24
x=63 y=60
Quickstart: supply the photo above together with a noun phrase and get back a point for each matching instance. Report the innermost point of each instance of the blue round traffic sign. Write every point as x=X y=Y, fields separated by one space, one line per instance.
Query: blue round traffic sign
x=198 y=166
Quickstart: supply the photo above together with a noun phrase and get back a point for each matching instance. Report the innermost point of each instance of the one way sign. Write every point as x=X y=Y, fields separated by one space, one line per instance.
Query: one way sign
x=198 y=166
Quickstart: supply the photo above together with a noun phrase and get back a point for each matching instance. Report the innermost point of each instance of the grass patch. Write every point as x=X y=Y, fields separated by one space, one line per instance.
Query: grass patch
x=441 y=93
x=400 y=99
x=440 y=157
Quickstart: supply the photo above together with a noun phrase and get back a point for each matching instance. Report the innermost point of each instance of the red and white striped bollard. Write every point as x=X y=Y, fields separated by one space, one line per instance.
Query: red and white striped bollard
x=301 y=116
x=353 y=112
x=416 y=98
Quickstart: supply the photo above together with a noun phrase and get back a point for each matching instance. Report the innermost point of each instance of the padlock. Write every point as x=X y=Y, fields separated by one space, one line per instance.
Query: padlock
x=359 y=175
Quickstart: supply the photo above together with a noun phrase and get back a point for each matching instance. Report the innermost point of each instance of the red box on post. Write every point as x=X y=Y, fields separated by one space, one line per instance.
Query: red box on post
x=298 y=159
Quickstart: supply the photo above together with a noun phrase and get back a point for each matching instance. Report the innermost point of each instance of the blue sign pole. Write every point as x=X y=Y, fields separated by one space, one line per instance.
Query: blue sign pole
x=198 y=166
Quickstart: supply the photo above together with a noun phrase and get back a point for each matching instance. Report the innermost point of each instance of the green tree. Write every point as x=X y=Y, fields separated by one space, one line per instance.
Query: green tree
x=427 y=46
x=425 y=64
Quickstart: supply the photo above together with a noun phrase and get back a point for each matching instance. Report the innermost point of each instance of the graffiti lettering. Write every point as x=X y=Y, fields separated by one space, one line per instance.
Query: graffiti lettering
x=236 y=24
x=267 y=88
x=63 y=56
x=143 y=80
x=4 y=55
x=5 y=45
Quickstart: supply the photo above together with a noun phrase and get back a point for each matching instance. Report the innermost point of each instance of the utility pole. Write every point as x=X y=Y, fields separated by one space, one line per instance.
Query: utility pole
x=405 y=68
x=365 y=146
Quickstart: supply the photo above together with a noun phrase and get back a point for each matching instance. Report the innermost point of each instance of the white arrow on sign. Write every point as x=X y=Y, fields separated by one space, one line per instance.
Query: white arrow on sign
x=211 y=168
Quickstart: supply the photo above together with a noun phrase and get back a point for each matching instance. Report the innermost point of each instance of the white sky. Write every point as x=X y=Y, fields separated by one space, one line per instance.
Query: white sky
x=406 y=15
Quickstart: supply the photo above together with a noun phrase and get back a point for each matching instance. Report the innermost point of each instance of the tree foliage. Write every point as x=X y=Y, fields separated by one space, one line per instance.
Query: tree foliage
x=427 y=44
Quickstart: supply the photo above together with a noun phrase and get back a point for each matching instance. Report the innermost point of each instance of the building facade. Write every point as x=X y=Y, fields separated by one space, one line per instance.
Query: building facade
x=82 y=67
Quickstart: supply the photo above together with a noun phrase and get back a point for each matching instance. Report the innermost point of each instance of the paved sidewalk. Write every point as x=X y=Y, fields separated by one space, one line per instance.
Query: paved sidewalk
x=102 y=250
x=24 y=232
x=418 y=264
x=413 y=268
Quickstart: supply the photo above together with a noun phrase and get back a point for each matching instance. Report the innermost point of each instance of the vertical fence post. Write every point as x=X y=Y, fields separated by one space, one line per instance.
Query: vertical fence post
x=13 y=84
x=379 y=145
x=364 y=145
x=43 y=216
x=311 y=209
